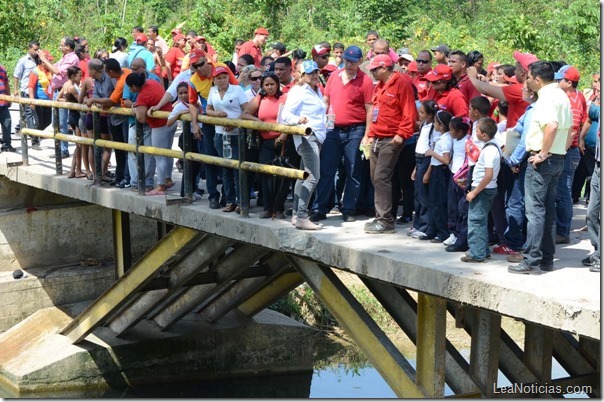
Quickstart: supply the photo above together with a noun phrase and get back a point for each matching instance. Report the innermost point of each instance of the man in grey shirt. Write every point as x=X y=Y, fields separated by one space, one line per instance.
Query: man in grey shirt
x=25 y=65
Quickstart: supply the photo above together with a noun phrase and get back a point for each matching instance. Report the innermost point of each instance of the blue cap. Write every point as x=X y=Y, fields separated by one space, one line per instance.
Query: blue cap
x=308 y=66
x=353 y=53
x=560 y=74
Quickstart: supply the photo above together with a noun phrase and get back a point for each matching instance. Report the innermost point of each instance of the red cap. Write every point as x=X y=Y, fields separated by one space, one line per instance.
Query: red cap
x=525 y=59
x=261 y=31
x=572 y=74
x=492 y=66
x=141 y=38
x=329 y=68
x=510 y=80
x=219 y=70
x=412 y=67
x=381 y=60
x=178 y=37
x=176 y=31
x=47 y=54
x=440 y=72
x=320 y=50
x=195 y=55
x=199 y=38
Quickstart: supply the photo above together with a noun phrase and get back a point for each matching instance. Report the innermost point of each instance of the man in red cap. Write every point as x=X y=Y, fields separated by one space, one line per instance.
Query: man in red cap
x=510 y=93
x=392 y=122
x=254 y=47
x=444 y=93
x=569 y=80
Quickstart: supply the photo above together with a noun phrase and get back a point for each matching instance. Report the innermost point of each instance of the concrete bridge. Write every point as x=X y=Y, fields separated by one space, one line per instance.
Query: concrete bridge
x=204 y=267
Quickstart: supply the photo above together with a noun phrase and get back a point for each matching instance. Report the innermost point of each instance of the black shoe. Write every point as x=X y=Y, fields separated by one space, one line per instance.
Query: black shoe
x=123 y=184
x=348 y=218
x=588 y=261
x=223 y=202
x=8 y=148
x=378 y=228
x=562 y=239
x=316 y=217
x=200 y=191
x=546 y=268
x=36 y=146
x=426 y=237
x=214 y=204
x=455 y=249
x=402 y=220
x=436 y=240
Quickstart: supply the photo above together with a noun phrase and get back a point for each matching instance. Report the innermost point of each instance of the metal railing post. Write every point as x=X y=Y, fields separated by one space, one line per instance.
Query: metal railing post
x=244 y=190
x=140 y=158
x=58 y=156
x=98 y=151
x=24 y=149
x=187 y=165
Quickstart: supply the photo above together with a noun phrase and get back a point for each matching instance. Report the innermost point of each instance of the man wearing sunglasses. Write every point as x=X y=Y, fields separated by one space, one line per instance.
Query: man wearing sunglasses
x=320 y=55
x=424 y=66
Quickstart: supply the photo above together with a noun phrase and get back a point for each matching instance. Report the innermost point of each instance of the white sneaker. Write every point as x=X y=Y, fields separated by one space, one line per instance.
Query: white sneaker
x=417 y=234
x=306 y=224
x=411 y=231
x=450 y=240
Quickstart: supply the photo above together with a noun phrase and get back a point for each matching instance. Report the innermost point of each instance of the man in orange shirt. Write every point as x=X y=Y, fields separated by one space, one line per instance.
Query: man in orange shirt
x=392 y=122
x=118 y=126
x=254 y=47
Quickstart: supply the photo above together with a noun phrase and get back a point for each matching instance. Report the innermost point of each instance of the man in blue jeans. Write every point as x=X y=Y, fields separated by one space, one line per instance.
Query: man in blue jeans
x=593 y=216
x=347 y=95
x=546 y=142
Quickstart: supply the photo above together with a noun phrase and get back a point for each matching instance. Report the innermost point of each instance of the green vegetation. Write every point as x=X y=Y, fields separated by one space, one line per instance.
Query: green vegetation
x=552 y=29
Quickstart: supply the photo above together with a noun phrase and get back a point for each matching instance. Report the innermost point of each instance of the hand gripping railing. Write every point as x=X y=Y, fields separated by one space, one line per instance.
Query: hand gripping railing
x=140 y=149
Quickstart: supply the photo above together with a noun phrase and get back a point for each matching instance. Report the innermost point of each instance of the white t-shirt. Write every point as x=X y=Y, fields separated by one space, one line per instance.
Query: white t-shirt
x=459 y=154
x=426 y=140
x=181 y=107
x=234 y=98
x=490 y=157
x=443 y=145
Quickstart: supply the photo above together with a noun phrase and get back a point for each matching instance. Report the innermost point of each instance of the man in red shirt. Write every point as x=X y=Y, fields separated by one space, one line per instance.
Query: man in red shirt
x=283 y=71
x=254 y=47
x=510 y=93
x=348 y=96
x=424 y=66
x=458 y=61
x=392 y=122
x=569 y=80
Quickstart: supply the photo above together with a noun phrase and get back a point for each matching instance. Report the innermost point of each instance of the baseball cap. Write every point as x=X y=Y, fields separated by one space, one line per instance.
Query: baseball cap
x=176 y=31
x=141 y=38
x=219 y=70
x=199 y=38
x=492 y=66
x=442 y=48
x=329 y=68
x=412 y=67
x=510 y=80
x=178 y=37
x=195 y=55
x=381 y=60
x=261 y=31
x=319 y=50
x=279 y=46
x=571 y=74
x=309 y=66
x=440 y=72
x=403 y=53
x=353 y=54
x=525 y=59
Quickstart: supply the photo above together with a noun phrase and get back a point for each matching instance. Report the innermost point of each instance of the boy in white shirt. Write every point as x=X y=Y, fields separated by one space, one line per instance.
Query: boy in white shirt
x=483 y=191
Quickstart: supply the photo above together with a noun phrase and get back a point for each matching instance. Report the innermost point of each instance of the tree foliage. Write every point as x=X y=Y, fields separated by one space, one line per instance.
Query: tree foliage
x=552 y=29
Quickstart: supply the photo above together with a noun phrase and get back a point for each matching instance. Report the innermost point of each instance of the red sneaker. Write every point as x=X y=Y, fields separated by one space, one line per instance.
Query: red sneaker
x=503 y=249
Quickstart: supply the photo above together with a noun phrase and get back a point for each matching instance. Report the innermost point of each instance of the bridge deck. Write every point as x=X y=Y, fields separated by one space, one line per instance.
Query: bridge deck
x=566 y=299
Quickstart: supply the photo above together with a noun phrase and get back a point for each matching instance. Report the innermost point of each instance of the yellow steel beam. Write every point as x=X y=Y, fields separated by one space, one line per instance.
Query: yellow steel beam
x=382 y=353
x=431 y=343
x=268 y=294
x=128 y=285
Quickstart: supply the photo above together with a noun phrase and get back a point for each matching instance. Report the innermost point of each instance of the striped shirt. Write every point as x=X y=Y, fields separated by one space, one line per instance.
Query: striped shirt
x=4 y=85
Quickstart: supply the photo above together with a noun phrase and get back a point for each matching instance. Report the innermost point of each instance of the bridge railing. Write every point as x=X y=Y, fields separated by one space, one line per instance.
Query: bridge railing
x=140 y=149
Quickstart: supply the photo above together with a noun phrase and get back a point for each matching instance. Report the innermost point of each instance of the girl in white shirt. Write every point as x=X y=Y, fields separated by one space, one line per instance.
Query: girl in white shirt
x=227 y=100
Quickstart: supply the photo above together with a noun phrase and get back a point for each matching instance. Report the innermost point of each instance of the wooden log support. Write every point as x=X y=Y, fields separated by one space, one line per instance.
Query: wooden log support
x=179 y=273
x=226 y=270
x=376 y=346
x=538 y=351
x=484 y=352
x=122 y=253
x=128 y=285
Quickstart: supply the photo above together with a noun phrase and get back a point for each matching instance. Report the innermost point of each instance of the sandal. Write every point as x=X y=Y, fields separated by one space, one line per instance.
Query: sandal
x=230 y=208
x=155 y=192
x=169 y=184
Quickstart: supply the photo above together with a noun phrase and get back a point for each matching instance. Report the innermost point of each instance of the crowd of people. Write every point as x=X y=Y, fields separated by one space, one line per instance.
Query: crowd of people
x=477 y=154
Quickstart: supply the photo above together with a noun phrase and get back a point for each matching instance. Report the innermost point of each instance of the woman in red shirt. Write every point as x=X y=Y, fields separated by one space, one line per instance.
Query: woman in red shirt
x=150 y=93
x=174 y=56
x=446 y=95
x=265 y=107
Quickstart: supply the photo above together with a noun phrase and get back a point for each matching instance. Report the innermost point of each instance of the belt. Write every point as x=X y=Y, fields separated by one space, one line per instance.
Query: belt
x=350 y=126
x=440 y=167
x=420 y=155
